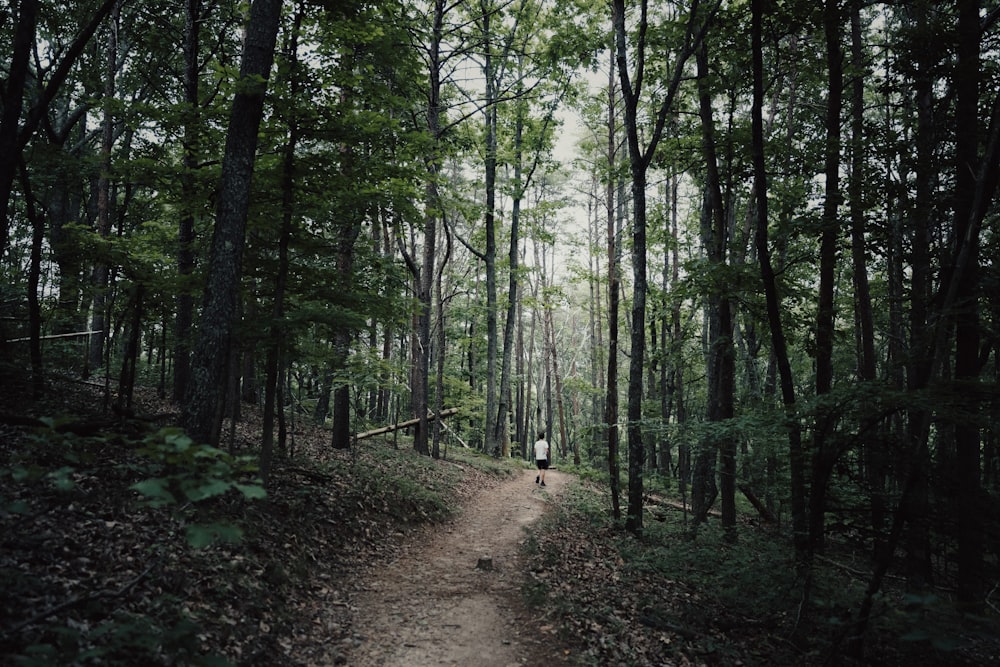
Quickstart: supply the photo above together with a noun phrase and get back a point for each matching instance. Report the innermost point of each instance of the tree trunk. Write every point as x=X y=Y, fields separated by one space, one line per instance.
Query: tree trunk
x=490 y=256
x=778 y=342
x=13 y=104
x=721 y=361
x=824 y=453
x=425 y=277
x=501 y=434
x=874 y=457
x=34 y=282
x=440 y=346
x=130 y=350
x=100 y=306
x=918 y=549
x=595 y=313
x=639 y=161
x=185 y=233
x=677 y=368
x=611 y=402
x=203 y=404
x=637 y=167
x=968 y=175
x=276 y=332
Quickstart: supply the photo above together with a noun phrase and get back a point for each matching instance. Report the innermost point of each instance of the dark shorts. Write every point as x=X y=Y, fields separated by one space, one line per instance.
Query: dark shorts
x=543 y=464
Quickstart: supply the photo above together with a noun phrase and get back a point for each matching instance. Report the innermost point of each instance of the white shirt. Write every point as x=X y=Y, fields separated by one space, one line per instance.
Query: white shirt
x=541 y=450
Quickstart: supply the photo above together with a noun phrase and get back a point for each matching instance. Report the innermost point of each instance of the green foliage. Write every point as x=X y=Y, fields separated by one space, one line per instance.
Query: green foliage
x=186 y=473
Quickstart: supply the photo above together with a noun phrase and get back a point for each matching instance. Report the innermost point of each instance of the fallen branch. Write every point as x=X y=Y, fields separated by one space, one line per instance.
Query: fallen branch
x=407 y=424
x=54 y=336
x=761 y=508
x=652 y=499
x=457 y=436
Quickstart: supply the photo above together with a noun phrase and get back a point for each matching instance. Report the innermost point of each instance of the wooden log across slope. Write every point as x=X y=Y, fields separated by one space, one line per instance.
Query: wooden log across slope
x=412 y=422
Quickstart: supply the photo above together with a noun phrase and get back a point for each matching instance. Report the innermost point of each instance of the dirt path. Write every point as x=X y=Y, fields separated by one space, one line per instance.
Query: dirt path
x=439 y=605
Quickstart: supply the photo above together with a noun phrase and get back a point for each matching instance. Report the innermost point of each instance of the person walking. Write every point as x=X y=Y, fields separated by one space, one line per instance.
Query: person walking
x=541 y=458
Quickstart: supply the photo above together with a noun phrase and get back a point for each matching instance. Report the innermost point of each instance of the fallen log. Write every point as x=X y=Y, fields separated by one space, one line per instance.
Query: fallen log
x=407 y=424
x=758 y=504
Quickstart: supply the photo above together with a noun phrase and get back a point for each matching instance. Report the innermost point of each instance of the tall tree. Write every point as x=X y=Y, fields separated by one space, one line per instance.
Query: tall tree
x=190 y=144
x=721 y=361
x=779 y=343
x=100 y=318
x=640 y=158
x=614 y=289
x=424 y=274
x=203 y=404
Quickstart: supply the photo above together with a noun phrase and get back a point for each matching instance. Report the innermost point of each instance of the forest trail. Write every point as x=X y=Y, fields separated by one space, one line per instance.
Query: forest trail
x=436 y=604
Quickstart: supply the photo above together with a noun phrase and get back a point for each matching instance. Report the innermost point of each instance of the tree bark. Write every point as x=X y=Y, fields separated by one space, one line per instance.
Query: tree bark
x=202 y=415
x=100 y=306
x=824 y=454
x=968 y=172
x=185 y=233
x=490 y=256
x=611 y=402
x=773 y=300
x=721 y=361
x=419 y=391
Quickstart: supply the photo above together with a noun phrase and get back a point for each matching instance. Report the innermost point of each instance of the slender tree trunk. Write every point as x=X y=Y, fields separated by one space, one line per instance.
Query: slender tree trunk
x=100 y=318
x=203 y=406
x=501 y=434
x=596 y=313
x=637 y=166
x=557 y=381
x=773 y=300
x=425 y=278
x=611 y=402
x=665 y=462
x=917 y=536
x=276 y=333
x=185 y=233
x=520 y=409
x=492 y=443
x=342 y=335
x=130 y=350
x=532 y=396
x=639 y=161
x=968 y=175
x=385 y=392
x=863 y=315
x=721 y=359
x=824 y=454
x=440 y=346
x=677 y=363
x=34 y=282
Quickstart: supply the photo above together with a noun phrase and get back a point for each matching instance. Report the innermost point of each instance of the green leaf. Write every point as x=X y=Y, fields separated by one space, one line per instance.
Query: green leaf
x=205 y=489
x=156 y=490
x=251 y=491
x=61 y=478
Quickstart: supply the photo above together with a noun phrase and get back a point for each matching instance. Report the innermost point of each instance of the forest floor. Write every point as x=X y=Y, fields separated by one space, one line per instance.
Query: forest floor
x=379 y=556
x=369 y=556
